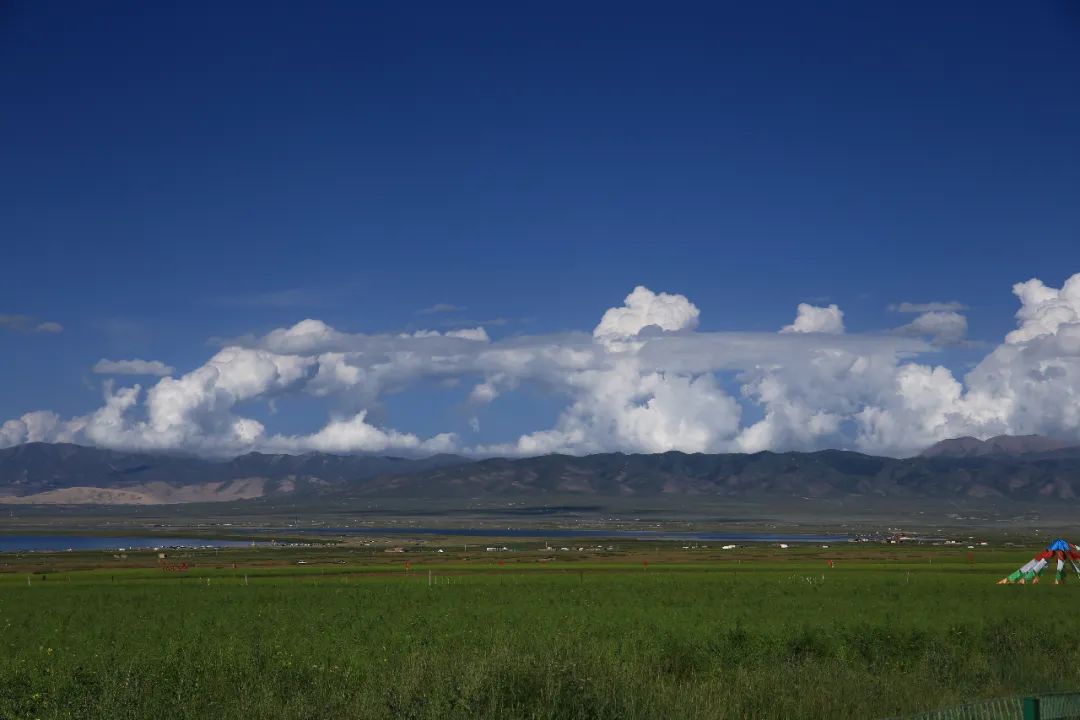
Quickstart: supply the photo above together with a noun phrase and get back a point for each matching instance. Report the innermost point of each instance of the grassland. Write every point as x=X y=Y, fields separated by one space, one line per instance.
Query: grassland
x=755 y=633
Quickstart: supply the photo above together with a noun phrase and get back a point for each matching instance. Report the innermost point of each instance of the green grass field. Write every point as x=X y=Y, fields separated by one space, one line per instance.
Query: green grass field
x=769 y=637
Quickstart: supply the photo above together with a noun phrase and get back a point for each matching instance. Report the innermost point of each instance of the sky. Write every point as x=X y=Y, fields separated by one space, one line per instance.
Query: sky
x=521 y=228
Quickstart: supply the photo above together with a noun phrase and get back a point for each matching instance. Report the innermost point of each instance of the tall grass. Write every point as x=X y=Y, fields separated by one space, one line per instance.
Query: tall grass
x=766 y=644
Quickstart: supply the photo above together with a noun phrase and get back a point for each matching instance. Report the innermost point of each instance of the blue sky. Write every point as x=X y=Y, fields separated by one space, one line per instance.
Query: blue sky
x=212 y=170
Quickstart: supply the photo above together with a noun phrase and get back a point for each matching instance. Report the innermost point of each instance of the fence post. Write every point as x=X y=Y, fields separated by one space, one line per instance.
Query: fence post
x=1031 y=708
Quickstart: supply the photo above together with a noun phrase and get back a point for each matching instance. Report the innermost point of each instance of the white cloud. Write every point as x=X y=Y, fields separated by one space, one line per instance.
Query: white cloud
x=132 y=367
x=940 y=326
x=643 y=381
x=813 y=319
x=346 y=435
x=623 y=408
x=492 y=386
x=643 y=308
x=1044 y=310
x=49 y=327
x=38 y=426
x=1028 y=384
x=477 y=334
x=304 y=337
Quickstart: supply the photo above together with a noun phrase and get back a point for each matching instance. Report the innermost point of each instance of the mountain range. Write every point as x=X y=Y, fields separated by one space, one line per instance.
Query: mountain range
x=1018 y=468
x=62 y=473
x=1007 y=466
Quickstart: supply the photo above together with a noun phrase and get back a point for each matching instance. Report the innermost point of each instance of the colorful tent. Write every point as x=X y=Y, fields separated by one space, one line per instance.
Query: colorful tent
x=1029 y=572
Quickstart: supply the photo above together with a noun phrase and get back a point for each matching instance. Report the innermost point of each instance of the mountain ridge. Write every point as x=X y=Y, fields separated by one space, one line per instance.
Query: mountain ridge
x=41 y=473
x=63 y=473
x=1011 y=445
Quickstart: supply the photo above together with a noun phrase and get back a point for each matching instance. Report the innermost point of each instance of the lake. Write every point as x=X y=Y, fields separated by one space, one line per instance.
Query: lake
x=60 y=543
x=735 y=537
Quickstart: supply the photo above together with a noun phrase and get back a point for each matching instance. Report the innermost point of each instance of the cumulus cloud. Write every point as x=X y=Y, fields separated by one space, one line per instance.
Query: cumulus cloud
x=492 y=386
x=27 y=324
x=940 y=326
x=644 y=380
x=622 y=407
x=345 y=435
x=642 y=309
x=132 y=367
x=1028 y=384
x=813 y=319
x=38 y=426
x=1044 y=310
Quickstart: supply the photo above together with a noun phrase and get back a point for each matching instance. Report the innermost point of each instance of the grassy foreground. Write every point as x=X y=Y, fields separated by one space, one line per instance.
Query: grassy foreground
x=769 y=640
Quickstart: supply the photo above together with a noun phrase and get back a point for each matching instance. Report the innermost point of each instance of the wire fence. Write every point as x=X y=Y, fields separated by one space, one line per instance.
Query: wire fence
x=1056 y=706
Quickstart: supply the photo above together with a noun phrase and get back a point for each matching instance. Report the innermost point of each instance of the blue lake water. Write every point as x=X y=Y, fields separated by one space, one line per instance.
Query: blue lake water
x=60 y=543
x=569 y=533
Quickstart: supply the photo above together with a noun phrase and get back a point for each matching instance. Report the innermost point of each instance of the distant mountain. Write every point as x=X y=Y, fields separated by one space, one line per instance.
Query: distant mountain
x=828 y=473
x=66 y=474
x=1013 y=445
